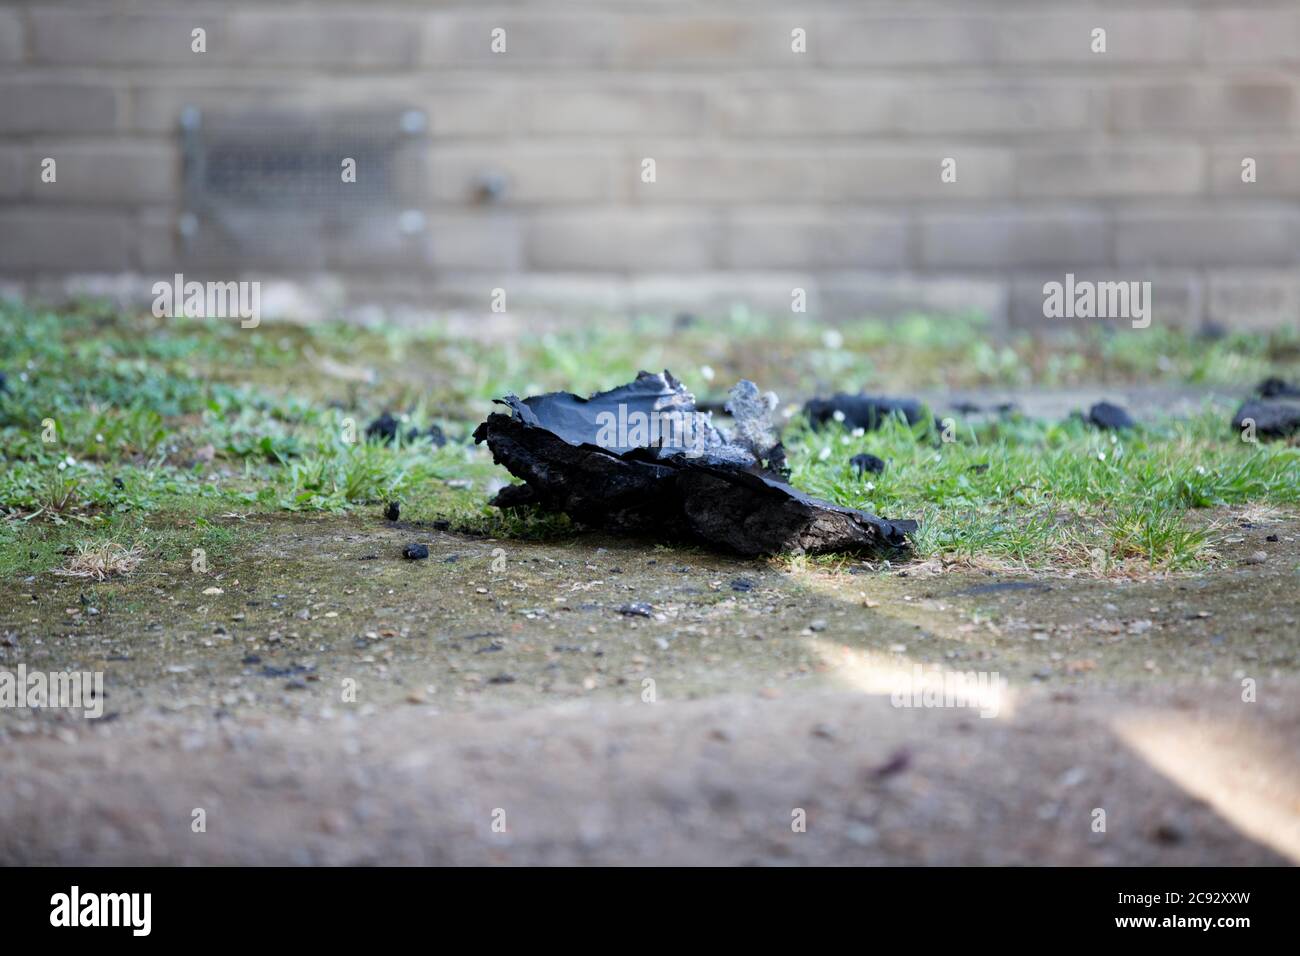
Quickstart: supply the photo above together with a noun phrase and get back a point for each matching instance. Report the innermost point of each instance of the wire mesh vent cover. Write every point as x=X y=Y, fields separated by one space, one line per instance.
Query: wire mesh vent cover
x=267 y=189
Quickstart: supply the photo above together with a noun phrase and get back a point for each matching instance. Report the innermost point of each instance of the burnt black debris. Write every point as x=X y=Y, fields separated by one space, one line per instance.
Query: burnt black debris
x=415 y=552
x=385 y=428
x=642 y=459
x=867 y=464
x=1277 y=388
x=862 y=411
x=1110 y=417
x=392 y=511
x=1272 y=417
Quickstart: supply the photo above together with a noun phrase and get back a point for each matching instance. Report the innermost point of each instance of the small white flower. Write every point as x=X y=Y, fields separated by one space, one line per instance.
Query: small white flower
x=858 y=432
x=824 y=454
x=1101 y=456
x=832 y=339
x=100 y=439
x=837 y=415
x=844 y=439
x=871 y=486
x=707 y=373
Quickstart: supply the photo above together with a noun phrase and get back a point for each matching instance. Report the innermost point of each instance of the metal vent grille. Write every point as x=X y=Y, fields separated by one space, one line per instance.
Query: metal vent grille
x=266 y=189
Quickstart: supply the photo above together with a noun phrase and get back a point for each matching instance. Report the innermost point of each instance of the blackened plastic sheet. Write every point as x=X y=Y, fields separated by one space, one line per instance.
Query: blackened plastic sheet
x=641 y=459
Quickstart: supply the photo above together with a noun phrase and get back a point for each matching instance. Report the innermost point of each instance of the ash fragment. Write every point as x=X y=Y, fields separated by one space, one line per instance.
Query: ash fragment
x=862 y=411
x=642 y=459
x=1277 y=388
x=1109 y=417
x=867 y=464
x=1273 y=417
x=385 y=428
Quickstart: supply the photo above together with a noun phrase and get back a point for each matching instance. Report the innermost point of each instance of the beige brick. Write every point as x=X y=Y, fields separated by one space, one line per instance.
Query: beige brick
x=562 y=40
x=487 y=239
x=1006 y=107
x=717 y=293
x=1132 y=37
x=106 y=172
x=13 y=171
x=157 y=107
x=913 y=173
x=531 y=173
x=1254 y=298
x=1211 y=235
x=1252 y=37
x=802 y=108
x=329 y=39
x=78 y=36
x=1177 y=298
x=157 y=239
x=11 y=36
x=815 y=238
x=701 y=40
x=375 y=241
x=946 y=39
x=55 y=106
x=59 y=240
x=1205 y=105
x=1277 y=171
x=1111 y=170
x=568 y=108
x=846 y=295
x=482 y=110
x=729 y=174
x=1003 y=238
x=623 y=239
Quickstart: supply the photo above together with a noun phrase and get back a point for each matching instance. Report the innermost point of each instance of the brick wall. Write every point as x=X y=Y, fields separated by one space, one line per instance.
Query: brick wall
x=774 y=169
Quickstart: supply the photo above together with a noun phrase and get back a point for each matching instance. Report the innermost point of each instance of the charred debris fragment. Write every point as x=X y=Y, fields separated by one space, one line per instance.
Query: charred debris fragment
x=642 y=458
x=1274 y=412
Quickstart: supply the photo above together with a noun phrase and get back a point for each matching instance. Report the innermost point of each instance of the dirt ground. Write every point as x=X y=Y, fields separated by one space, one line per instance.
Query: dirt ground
x=322 y=700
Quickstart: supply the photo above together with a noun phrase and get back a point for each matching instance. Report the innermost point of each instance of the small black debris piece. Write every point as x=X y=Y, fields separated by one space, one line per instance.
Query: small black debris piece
x=502 y=679
x=862 y=411
x=1273 y=417
x=384 y=428
x=392 y=511
x=1271 y=537
x=1277 y=388
x=415 y=552
x=867 y=464
x=742 y=584
x=251 y=659
x=1110 y=417
x=637 y=609
x=118 y=483
x=898 y=761
x=292 y=670
x=642 y=459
